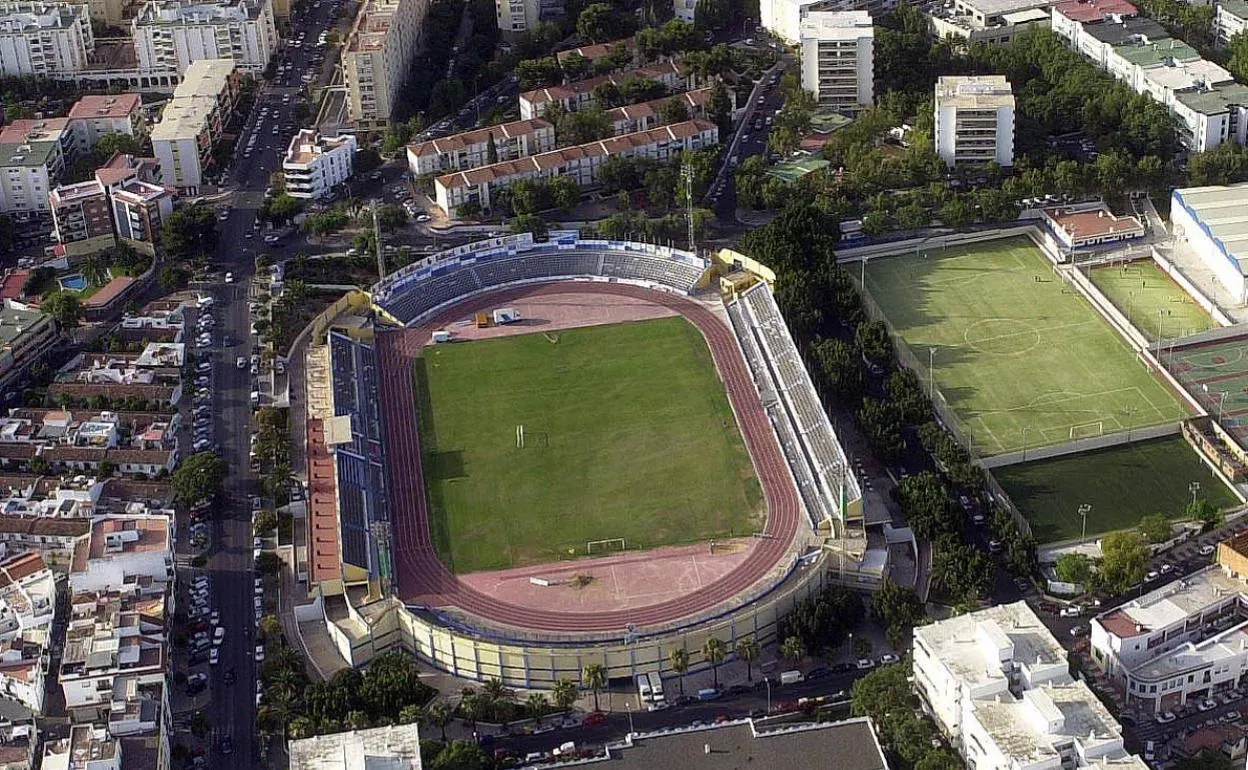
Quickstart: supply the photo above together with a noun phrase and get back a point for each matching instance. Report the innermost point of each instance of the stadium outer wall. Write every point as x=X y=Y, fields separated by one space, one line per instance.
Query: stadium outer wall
x=483 y=653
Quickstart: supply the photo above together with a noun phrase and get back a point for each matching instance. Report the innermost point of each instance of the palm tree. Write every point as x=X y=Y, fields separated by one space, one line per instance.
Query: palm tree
x=564 y=693
x=410 y=714
x=537 y=705
x=748 y=650
x=302 y=727
x=679 y=658
x=793 y=650
x=494 y=690
x=595 y=678
x=714 y=651
x=439 y=715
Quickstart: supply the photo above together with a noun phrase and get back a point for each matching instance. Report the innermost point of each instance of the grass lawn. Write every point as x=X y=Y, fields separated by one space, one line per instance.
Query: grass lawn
x=628 y=434
x=1122 y=484
x=1022 y=359
x=1155 y=304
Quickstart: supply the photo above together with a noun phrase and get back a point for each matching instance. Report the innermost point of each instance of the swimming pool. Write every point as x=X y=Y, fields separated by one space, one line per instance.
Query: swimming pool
x=73 y=282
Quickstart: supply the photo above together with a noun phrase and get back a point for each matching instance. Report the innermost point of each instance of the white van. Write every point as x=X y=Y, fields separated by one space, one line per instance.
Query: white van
x=643 y=688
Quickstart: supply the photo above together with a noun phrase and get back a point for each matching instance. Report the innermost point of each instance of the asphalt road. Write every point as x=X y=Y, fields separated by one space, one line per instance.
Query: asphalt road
x=232 y=707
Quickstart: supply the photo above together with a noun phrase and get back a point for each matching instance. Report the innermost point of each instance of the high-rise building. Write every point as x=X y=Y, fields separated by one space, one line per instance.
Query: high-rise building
x=38 y=38
x=314 y=165
x=376 y=55
x=838 y=50
x=93 y=117
x=32 y=157
x=193 y=122
x=80 y=215
x=975 y=120
x=171 y=34
x=516 y=16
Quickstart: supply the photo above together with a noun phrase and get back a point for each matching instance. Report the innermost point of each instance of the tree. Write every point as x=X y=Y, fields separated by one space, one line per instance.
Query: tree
x=391 y=217
x=927 y=506
x=537 y=705
x=439 y=715
x=839 y=367
x=1155 y=528
x=599 y=22
x=391 y=682
x=281 y=208
x=461 y=755
x=268 y=563
x=564 y=694
x=583 y=126
x=719 y=107
x=1074 y=568
x=264 y=522
x=199 y=477
x=714 y=651
x=529 y=223
x=898 y=609
x=748 y=650
x=673 y=110
x=1124 y=559
x=189 y=232
x=367 y=160
x=876 y=344
x=64 y=307
x=793 y=650
x=411 y=714
x=594 y=676
x=1201 y=510
x=679 y=658
x=1208 y=759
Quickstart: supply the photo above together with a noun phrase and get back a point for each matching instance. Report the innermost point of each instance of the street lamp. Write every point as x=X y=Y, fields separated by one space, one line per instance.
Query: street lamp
x=1194 y=488
x=1025 y=429
x=1221 y=403
x=767 y=681
x=1130 y=303
x=1084 y=510
x=931 y=374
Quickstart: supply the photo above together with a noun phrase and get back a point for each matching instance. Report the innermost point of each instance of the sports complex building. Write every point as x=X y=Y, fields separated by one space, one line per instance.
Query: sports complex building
x=404 y=434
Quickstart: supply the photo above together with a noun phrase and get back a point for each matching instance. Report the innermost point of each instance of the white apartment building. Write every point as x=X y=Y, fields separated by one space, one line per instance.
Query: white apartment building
x=783 y=18
x=838 y=59
x=28 y=172
x=516 y=17
x=38 y=38
x=121 y=549
x=375 y=57
x=574 y=96
x=471 y=149
x=171 y=34
x=1182 y=642
x=314 y=165
x=644 y=116
x=1209 y=117
x=88 y=747
x=139 y=212
x=1230 y=18
x=580 y=163
x=27 y=596
x=112 y=635
x=974 y=120
x=988 y=21
x=93 y=117
x=193 y=121
x=1069 y=16
x=999 y=687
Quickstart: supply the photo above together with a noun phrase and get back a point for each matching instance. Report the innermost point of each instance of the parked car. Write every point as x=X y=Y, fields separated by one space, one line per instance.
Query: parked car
x=1207 y=704
x=1069 y=612
x=1166 y=717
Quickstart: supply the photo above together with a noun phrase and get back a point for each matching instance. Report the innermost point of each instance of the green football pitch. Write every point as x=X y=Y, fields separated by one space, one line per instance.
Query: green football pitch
x=1156 y=305
x=1122 y=484
x=1021 y=358
x=628 y=434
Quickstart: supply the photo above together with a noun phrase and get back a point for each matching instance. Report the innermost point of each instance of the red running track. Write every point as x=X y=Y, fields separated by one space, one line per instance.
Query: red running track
x=422 y=577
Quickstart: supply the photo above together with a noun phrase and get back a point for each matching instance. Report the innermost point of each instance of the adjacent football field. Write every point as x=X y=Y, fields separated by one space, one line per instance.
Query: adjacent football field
x=628 y=433
x=1020 y=357
x=1122 y=484
x=1156 y=305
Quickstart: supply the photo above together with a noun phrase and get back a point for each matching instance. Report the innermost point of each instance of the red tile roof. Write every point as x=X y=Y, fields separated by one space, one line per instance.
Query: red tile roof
x=324 y=544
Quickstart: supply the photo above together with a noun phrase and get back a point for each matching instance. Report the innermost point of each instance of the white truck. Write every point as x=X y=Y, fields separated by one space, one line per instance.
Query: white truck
x=656 y=690
x=643 y=688
x=506 y=315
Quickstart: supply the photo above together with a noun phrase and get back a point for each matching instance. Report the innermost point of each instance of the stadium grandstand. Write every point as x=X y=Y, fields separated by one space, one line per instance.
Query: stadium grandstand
x=824 y=479
x=454 y=274
x=355 y=435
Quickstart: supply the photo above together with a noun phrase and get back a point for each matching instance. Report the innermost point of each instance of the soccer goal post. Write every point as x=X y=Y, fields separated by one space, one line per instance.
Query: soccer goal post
x=605 y=545
x=1087 y=430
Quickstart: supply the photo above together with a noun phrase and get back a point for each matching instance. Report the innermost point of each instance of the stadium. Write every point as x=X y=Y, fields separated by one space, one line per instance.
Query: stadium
x=549 y=454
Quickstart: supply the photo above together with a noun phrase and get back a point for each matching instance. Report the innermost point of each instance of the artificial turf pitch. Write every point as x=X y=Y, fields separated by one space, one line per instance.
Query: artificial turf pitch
x=1154 y=304
x=1122 y=484
x=628 y=433
x=1019 y=356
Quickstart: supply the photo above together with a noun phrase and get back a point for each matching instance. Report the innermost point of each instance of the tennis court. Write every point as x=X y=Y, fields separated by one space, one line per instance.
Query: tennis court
x=1216 y=373
x=1154 y=303
x=1019 y=356
x=793 y=170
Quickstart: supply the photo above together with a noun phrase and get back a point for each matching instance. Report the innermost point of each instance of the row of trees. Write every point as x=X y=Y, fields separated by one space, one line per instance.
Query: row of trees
x=822 y=623
x=911 y=741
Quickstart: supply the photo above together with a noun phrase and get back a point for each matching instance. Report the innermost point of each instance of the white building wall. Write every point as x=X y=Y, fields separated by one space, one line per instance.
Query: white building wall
x=179 y=162
x=834 y=45
x=172 y=47
x=24 y=188
x=518 y=16
x=1225 y=270
x=64 y=48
